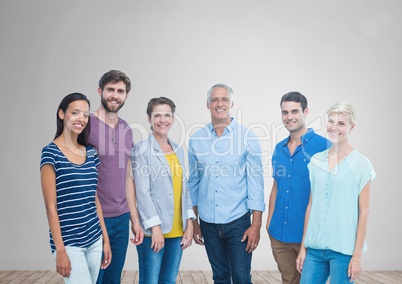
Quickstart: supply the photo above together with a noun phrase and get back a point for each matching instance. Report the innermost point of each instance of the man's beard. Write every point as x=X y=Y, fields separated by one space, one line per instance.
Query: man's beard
x=108 y=109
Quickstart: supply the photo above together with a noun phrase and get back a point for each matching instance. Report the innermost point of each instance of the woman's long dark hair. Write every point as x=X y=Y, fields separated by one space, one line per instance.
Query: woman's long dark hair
x=65 y=102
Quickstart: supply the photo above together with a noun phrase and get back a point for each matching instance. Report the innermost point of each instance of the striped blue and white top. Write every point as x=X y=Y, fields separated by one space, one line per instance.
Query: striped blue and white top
x=75 y=189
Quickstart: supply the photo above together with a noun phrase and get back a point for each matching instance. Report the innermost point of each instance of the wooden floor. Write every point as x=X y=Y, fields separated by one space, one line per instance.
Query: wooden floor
x=190 y=277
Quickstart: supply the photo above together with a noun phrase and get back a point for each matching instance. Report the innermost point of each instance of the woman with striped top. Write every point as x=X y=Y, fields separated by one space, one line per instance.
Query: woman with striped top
x=69 y=177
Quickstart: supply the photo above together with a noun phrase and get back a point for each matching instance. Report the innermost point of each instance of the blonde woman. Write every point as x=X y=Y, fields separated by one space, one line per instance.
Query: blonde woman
x=336 y=217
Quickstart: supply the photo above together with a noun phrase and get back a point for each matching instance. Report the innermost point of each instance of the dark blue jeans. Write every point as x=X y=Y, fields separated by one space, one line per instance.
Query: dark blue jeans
x=226 y=253
x=118 y=231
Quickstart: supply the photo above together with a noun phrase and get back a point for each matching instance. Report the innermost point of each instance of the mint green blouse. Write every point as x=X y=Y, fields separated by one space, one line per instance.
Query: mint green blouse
x=334 y=210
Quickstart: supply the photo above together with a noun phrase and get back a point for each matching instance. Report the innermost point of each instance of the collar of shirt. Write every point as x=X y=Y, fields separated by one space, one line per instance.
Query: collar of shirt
x=304 y=138
x=228 y=129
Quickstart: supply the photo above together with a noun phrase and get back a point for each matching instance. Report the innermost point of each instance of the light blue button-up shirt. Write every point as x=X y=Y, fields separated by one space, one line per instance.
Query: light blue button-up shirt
x=334 y=213
x=226 y=174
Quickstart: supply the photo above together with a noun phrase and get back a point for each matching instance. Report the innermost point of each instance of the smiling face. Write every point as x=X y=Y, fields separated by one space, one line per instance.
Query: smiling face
x=339 y=127
x=113 y=96
x=161 y=119
x=293 y=116
x=220 y=104
x=75 y=118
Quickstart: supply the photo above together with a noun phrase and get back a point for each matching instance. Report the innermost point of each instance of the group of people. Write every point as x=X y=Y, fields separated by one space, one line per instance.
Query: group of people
x=96 y=181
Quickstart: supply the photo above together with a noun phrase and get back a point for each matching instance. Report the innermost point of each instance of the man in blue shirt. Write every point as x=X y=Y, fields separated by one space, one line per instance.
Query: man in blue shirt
x=227 y=188
x=291 y=187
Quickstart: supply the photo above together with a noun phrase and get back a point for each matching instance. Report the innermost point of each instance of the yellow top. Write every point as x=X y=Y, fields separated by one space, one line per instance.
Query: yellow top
x=177 y=174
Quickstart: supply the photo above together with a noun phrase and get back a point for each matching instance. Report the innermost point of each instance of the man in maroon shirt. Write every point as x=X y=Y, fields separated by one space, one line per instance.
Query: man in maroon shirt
x=113 y=139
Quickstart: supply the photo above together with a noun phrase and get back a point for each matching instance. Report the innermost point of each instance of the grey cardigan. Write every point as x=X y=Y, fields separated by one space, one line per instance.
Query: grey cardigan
x=154 y=188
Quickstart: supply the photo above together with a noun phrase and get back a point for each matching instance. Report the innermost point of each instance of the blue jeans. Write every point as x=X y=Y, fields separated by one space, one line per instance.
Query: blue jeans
x=85 y=263
x=160 y=267
x=226 y=253
x=118 y=231
x=321 y=264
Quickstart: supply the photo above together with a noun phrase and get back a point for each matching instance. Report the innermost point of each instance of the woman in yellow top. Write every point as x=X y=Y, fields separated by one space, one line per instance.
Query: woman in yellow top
x=163 y=198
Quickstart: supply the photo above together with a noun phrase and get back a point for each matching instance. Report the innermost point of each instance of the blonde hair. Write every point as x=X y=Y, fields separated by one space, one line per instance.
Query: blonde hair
x=343 y=107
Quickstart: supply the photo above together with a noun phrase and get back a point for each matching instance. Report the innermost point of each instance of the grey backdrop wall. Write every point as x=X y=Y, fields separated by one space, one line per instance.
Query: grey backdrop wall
x=328 y=50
